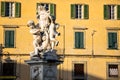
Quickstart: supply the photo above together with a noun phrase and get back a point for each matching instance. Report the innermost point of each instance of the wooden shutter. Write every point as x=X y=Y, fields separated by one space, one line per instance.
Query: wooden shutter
x=79 y=40
x=86 y=11
x=9 y=38
x=73 y=11
x=106 y=14
x=118 y=12
x=2 y=9
x=37 y=8
x=37 y=5
x=17 y=9
x=52 y=9
x=112 y=40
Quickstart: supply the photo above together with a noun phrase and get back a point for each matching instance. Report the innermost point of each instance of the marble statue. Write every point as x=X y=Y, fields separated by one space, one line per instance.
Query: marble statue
x=44 y=33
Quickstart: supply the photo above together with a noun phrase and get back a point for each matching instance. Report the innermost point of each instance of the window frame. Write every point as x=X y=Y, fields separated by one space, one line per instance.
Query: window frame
x=107 y=9
x=14 y=76
x=10 y=29
x=117 y=44
x=85 y=69
x=107 y=68
x=14 y=12
x=84 y=11
x=83 y=30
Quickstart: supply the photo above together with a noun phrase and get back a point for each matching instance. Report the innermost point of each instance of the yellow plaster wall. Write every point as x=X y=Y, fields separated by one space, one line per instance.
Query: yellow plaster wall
x=96 y=67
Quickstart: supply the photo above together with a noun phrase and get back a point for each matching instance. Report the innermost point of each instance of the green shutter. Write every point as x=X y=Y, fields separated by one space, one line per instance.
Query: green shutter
x=112 y=40
x=118 y=12
x=52 y=9
x=109 y=40
x=2 y=9
x=17 y=9
x=9 y=39
x=37 y=8
x=81 y=40
x=73 y=11
x=38 y=4
x=77 y=37
x=86 y=11
x=106 y=16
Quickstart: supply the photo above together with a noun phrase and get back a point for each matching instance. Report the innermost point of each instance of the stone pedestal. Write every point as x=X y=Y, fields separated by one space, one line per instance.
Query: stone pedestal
x=44 y=69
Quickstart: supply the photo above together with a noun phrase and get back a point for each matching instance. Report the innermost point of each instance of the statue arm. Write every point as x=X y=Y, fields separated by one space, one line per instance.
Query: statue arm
x=33 y=31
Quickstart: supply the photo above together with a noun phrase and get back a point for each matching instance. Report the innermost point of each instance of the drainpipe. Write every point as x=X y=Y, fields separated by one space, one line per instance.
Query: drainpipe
x=93 y=42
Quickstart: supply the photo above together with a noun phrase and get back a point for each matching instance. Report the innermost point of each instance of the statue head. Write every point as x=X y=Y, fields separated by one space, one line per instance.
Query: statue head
x=40 y=8
x=30 y=23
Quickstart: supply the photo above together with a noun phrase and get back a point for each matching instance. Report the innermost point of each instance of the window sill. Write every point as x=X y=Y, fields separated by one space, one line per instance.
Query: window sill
x=112 y=49
x=78 y=48
x=112 y=78
x=9 y=47
x=10 y=17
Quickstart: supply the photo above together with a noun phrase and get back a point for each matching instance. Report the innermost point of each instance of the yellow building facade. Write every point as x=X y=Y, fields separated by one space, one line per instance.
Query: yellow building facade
x=89 y=43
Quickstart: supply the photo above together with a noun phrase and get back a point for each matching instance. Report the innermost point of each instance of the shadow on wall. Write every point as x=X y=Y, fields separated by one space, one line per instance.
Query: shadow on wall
x=68 y=75
x=24 y=74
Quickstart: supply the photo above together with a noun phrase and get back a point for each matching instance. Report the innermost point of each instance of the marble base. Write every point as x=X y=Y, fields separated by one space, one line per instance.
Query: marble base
x=44 y=69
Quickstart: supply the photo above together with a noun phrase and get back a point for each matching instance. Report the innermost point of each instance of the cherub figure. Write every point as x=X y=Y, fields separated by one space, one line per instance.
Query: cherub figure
x=53 y=33
x=35 y=31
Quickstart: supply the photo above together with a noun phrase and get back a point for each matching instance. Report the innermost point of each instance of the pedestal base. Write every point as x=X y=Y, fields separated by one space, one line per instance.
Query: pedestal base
x=44 y=69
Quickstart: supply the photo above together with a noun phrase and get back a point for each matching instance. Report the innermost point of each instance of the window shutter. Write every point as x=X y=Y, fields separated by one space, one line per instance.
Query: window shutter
x=7 y=37
x=52 y=9
x=81 y=39
x=37 y=5
x=86 y=11
x=17 y=10
x=106 y=12
x=114 y=40
x=118 y=12
x=109 y=40
x=112 y=37
x=2 y=9
x=11 y=38
x=77 y=39
x=73 y=11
